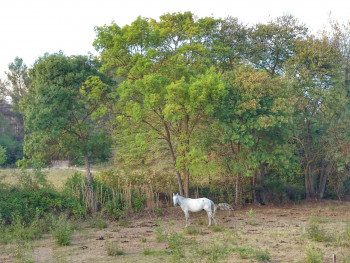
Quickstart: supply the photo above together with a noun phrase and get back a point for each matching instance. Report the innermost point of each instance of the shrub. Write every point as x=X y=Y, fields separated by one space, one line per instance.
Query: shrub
x=98 y=222
x=313 y=255
x=315 y=232
x=113 y=249
x=62 y=231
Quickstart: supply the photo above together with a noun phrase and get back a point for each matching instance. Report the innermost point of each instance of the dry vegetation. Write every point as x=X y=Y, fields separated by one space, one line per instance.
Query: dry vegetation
x=311 y=231
x=250 y=234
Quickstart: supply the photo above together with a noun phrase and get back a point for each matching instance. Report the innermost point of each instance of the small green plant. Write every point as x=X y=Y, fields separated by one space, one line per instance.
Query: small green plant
x=150 y=252
x=331 y=208
x=98 y=222
x=217 y=228
x=160 y=235
x=143 y=240
x=138 y=203
x=158 y=211
x=113 y=249
x=250 y=213
x=191 y=231
x=213 y=253
x=176 y=243
x=313 y=255
x=22 y=253
x=317 y=220
x=347 y=233
x=200 y=222
x=62 y=231
x=262 y=255
x=159 y=221
x=315 y=232
x=147 y=252
x=252 y=253
x=171 y=223
x=124 y=223
x=20 y=231
x=243 y=252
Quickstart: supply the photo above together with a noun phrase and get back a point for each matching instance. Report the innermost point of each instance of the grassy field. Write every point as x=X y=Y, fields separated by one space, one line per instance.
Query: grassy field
x=304 y=232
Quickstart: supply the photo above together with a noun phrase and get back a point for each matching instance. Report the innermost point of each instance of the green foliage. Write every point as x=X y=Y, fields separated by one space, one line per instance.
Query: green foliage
x=2 y=155
x=217 y=228
x=62 y=230
x=31 y=198
x=253 y=253
x=10 y=143
x=161 y=236
x=113 y=249
x=98 y=222
x=169 y=86
x=347 y=233
x=315 y=232
x=213 y=253
x=176 y=244
x=192 y=231
x=313 y=255
x=63 y=112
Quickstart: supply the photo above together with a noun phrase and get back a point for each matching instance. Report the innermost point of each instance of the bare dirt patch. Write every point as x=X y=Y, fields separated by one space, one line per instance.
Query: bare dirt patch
x=277 y=231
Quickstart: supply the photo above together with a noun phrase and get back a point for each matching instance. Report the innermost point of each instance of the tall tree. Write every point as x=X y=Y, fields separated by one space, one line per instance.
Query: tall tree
x=230 y=44
x=19 y=80
x=66 y=99
x=272 y=44
x=252 y=124
x=315 y=70
x=169 y=87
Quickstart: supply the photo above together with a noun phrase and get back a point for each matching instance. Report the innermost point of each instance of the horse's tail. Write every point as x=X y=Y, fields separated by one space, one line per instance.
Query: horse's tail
x=214 y=207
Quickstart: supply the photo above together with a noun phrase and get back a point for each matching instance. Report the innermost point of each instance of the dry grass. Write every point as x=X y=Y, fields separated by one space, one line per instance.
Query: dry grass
x=279 y=235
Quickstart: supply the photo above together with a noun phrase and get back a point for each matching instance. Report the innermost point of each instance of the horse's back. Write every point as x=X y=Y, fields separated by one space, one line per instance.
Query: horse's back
x=199 y=204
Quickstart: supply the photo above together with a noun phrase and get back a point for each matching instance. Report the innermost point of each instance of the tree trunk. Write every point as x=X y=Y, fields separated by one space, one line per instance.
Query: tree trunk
x=178 y=175
x=254 y=190
x=187 y=182
x=259 y=186
x=239 y=195
x=326 y=169
x=172 y=153
x=90 y=194
x=307 y=182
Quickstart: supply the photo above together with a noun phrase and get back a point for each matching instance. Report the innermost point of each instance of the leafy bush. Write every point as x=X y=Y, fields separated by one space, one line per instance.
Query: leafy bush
x=98 y=222
x=312 y=255
x=26 y=203
x=2 y=155
x=315 y=232
x=114 y=250
x=62 y=231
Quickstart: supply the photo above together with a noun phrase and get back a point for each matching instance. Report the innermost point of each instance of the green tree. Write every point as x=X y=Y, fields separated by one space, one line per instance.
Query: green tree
x=230 y=44
x=272 y=44
x=252 y=125
x=19 y=81
x=2 y=155
x=2 y=90
x=315 y=71
x=168 y=86
x=63 y=110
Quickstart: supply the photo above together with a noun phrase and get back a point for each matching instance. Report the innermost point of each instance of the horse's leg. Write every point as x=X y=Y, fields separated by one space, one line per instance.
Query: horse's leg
x=213 y=216
x=187 y=215
x=209 y=217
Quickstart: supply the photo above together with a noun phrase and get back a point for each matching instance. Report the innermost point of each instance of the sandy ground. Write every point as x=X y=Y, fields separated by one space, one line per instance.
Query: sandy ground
x=280 y=230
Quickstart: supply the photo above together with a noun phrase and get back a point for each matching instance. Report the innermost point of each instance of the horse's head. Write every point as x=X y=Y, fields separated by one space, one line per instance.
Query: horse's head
x=175 y=199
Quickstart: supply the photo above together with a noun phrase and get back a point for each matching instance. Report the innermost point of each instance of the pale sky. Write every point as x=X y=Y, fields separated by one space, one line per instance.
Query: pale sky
x=30 y=28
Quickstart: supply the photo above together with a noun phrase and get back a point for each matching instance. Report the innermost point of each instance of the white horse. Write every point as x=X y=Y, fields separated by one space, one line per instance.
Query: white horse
x=195 y=205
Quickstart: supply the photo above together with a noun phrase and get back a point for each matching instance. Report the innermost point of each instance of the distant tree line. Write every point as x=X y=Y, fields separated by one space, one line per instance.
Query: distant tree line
x=264 y=103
